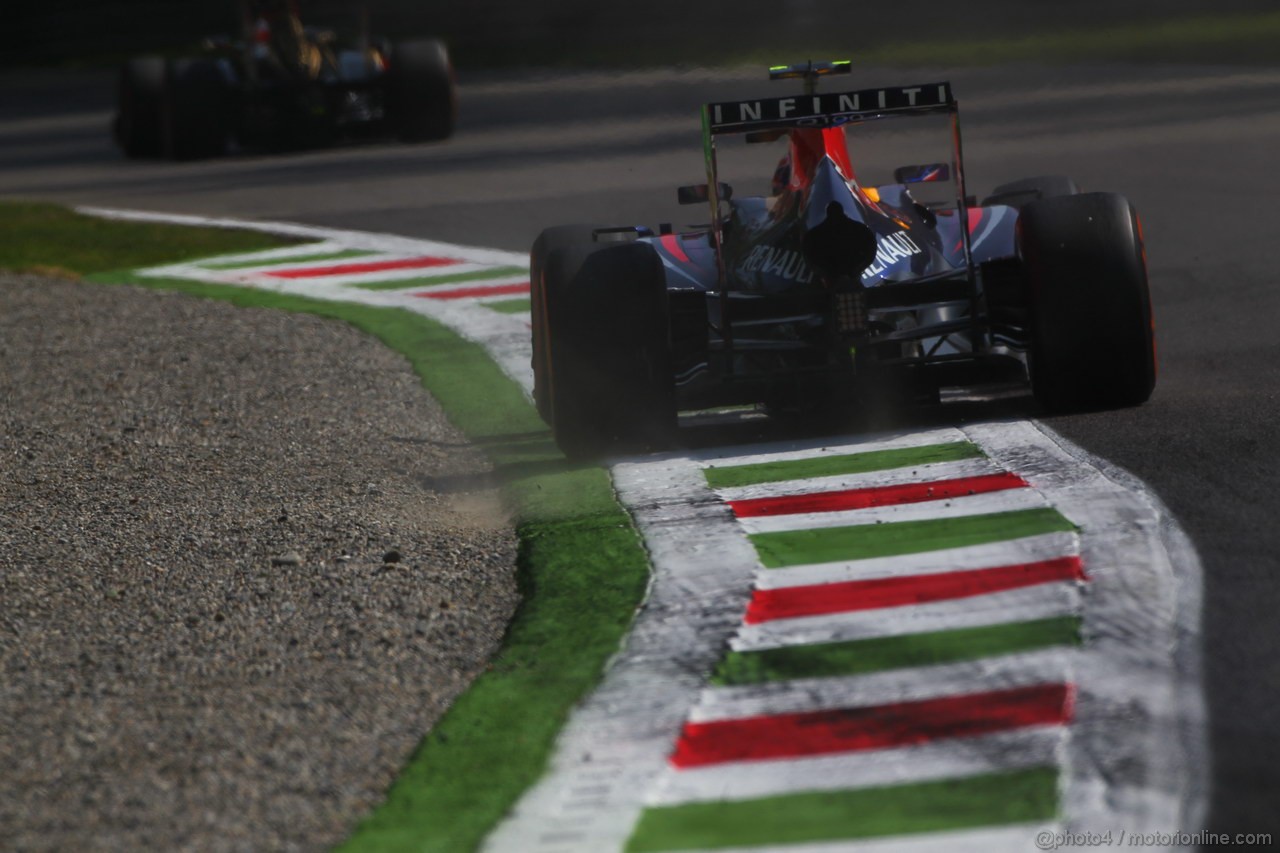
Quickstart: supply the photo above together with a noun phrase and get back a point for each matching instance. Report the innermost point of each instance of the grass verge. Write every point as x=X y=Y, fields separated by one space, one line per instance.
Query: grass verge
x=48 y=238
x=581 y=568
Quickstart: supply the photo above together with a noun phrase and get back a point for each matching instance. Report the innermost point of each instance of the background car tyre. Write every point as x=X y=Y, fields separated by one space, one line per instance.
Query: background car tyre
x=1092 y=335
x=1023 y=192
x=139 y=94
x=195 y=110
x=422 y=101
x=611 y=387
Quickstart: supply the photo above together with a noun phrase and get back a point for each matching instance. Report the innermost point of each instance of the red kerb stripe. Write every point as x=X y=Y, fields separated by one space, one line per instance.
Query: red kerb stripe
x=486 y=290
x=877 y=727
x=372 y=266
x=819 y=599
x=905 y=493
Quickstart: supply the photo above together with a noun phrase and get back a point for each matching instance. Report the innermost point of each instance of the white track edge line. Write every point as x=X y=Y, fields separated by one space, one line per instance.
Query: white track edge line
x=351 y=238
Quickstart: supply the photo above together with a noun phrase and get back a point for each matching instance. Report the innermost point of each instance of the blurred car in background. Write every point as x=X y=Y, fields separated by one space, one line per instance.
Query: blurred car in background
x=284 y=85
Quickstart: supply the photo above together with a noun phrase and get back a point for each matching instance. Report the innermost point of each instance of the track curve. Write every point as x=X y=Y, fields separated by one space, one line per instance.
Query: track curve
x=1191 y=147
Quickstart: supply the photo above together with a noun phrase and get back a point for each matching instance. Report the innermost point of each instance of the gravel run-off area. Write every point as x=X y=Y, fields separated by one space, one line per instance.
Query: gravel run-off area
x=245 y=563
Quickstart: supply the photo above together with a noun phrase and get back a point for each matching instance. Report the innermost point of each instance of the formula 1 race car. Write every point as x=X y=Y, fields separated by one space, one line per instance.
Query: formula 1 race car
x=283 y=85
x=828 y=293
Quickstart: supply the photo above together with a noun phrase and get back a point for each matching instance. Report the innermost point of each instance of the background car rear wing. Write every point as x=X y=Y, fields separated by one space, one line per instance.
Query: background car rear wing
x=810 y=71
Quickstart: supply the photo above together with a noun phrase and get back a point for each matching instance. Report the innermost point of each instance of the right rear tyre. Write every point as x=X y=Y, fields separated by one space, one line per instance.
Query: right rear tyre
x=1092 y=335
x=609 y=385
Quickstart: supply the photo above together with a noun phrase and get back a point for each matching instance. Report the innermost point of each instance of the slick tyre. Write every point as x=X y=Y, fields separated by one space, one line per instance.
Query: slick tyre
x=550 y=240
x=195 y=110
x=1021 y=193
x=1092 y=336
x=610 y=384
x=139 y=97
x=421 y=98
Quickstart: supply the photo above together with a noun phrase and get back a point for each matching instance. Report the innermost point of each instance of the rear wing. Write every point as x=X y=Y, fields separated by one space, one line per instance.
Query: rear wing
x=828 y=109
x=824 y=110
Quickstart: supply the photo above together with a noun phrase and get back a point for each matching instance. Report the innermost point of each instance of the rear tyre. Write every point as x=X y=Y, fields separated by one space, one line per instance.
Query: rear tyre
x=1021 y=193
x=610 y=385
x=195 y=110
x=422 y=101
x=550 y=240
x=1092 y=336
x=138 y=107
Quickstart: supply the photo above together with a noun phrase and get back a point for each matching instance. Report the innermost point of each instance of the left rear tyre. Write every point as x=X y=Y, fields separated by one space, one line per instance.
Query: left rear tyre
x=550 y=240
x=609 y=386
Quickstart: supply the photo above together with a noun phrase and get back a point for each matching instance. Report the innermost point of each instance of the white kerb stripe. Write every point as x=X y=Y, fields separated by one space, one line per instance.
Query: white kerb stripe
x=349 y=239
x=355 y=278
x=816 y=448
x=1037 y=746
x=283 y=254
x=1020 y=605
x=268 y=265
x=1002 y=672
x=929 y=473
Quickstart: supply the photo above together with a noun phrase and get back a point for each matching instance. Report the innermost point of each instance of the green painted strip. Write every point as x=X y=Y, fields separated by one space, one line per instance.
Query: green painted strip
x=433 y=280
x=830 y=660
x=293 y=259
x=42 y=237
x=829 y=544
x=828 y=466
x=511 y=306
x=997 y=799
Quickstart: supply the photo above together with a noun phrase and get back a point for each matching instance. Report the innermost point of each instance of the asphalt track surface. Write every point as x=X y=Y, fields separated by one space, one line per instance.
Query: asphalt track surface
x=1192 y=147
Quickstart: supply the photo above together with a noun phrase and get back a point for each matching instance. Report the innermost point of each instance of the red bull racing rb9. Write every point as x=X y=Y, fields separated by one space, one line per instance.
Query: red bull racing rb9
x=829 y=293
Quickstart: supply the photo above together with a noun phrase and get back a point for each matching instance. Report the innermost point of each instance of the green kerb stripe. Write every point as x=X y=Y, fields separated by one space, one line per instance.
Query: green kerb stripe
x=511 y=306
x=998 y=799
x=828 y=466
x=856 y=657
x=829 y=544
x=433 y=280
x=293 y=259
